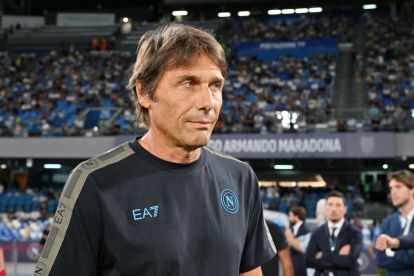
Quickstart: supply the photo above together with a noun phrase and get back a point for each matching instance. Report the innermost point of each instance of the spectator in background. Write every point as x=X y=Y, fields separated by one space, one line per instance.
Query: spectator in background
x=320 y=213
x=45 y=234
x=301 y=243
x=375 y=229
x=297 y=218
x=104 y=44
x=401 y=185
x=94 y=44
x=335 y=246
x=358 y=202
x=271 y=268
x=40 y=213
x=358 y=223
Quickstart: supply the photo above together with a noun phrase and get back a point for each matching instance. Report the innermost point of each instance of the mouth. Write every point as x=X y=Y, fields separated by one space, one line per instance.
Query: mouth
x=201 y=123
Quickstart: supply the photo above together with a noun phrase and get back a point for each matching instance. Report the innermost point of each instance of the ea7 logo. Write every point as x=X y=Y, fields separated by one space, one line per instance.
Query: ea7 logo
x=147 y=212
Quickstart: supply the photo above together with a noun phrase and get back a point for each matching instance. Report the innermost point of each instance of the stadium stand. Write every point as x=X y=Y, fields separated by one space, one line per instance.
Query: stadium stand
x=388 y=72
x=256 y=94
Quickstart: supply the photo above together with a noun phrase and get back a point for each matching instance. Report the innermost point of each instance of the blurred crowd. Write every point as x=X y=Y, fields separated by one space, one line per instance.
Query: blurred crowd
x=388 y=69
x=52 y=95
x=283 y=199
x=73 y=93
x=293 y=27
x=26 y=213
x=256 y=90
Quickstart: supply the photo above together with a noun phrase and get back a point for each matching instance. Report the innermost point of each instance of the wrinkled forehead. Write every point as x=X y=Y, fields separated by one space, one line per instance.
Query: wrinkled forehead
x=190 y=62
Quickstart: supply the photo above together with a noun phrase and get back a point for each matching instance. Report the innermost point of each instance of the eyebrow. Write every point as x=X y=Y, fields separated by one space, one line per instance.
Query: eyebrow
x=198 y=79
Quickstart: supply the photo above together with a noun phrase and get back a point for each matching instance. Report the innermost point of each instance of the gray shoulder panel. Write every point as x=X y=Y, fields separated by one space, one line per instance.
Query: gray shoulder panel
x=222 y=154
x=67 y=201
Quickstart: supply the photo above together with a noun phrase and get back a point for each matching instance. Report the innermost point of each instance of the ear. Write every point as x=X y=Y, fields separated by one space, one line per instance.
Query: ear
x=143 y=99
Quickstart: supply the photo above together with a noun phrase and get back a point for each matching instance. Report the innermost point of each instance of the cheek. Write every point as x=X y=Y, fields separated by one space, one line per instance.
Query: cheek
x=218 y=105
x=218 y=98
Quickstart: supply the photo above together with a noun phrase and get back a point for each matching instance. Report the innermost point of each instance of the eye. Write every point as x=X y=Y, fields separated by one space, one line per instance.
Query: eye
x=216 y=85
x=188 y=83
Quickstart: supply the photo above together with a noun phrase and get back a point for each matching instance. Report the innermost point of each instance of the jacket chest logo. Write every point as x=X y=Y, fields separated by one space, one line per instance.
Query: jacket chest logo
x=229 y=201
x=144 y=213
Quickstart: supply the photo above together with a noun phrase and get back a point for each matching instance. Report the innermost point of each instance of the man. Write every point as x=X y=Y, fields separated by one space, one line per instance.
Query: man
x=300 y=243
x=401 y=185
x=297 y=217
x=335 y=246
x=271 y=268
x=163 y=204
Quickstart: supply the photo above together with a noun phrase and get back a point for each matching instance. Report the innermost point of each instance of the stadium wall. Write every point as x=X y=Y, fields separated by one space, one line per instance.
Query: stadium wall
x=247 y=146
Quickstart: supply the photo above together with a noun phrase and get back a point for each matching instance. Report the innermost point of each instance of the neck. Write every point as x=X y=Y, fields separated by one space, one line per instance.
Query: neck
x=406 y=208
x=298 y=222
x=335 y=221
x=168 y=151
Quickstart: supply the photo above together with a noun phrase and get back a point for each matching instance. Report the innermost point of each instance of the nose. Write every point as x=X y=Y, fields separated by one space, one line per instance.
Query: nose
x=205 y=100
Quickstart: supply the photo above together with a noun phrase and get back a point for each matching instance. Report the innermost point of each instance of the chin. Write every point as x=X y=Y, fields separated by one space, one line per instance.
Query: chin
x=201 y=142
x=201 y=139
x=196 y=143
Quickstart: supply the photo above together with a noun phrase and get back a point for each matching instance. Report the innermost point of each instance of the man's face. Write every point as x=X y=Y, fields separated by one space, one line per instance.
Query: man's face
x=187 y=105
x=293 y=219
x=400 y=194
x=335 y=209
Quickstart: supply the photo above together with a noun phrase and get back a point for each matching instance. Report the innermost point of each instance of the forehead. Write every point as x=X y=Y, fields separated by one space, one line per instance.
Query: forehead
x=395 y=183
x=335 y=200
x=202 y=62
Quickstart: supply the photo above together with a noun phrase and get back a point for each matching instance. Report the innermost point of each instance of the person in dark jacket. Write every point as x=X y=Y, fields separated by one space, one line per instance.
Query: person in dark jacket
x=335 y=246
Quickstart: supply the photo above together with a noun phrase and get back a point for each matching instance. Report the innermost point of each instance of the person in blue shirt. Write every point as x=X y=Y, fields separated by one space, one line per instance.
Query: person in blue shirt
x=401 y=185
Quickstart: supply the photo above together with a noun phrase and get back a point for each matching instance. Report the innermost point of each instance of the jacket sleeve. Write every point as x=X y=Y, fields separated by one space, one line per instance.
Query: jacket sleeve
x=311 y=250
x=73 y=244
x=382 y=259
x=346 y=261
x=406 y=242
x=405 y=257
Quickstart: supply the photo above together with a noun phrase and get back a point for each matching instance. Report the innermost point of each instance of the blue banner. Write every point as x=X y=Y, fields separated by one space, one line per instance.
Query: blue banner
x=268 y=50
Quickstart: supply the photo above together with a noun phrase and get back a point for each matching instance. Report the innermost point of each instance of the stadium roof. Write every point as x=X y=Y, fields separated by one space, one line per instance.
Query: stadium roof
x=40 y=6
